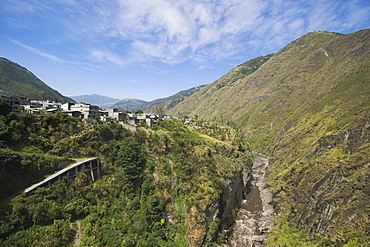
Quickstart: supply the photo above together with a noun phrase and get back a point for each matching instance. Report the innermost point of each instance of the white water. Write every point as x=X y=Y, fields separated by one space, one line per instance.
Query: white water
x=255 y=216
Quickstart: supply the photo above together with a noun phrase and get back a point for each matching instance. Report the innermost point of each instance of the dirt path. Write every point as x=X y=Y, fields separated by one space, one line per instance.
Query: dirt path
x=77 y=239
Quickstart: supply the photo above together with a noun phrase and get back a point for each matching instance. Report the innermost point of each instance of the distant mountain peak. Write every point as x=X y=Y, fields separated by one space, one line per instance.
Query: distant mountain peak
x=132 y=104
x=94 y=99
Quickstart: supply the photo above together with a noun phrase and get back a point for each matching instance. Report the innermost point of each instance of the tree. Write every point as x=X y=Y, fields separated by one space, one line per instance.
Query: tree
x=132 y=160
x=4 y=133
x=4 y=107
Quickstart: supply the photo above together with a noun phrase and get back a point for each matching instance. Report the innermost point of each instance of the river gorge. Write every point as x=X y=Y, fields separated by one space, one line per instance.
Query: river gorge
x=256 y=215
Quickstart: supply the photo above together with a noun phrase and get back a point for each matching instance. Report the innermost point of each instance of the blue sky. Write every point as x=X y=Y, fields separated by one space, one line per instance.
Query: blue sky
x=153 y=49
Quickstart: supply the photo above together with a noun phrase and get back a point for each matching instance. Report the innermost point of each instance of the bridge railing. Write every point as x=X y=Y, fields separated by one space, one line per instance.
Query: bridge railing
x=90 y=166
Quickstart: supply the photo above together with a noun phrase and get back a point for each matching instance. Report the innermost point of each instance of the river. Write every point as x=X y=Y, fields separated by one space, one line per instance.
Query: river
x=256 y=215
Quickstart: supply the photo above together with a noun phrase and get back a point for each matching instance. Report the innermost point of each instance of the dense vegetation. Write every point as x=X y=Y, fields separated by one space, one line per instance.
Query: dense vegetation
x=25 y=145
x=308 y=107
x=156 y=188
x=18 y=81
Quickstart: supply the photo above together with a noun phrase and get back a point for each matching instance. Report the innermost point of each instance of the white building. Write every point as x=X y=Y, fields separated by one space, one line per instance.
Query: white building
x=112 y=115
x=87 y=111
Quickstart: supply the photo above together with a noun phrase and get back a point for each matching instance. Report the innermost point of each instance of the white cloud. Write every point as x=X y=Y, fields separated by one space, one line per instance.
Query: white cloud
x=106 y=56
x=125 y=31
x=84 y=66
x=38 y=52
x=175 y=31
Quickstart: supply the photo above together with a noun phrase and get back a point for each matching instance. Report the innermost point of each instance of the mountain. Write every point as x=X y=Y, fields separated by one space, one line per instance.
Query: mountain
x=308 y=107
x=18 y=81
x=130 y=104
x=135 y=104
x=95 y=99
x=70 y=99
x=178 y=97
x=239 y=72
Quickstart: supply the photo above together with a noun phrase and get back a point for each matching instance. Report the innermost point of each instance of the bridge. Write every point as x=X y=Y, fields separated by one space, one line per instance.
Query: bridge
x=89 y=166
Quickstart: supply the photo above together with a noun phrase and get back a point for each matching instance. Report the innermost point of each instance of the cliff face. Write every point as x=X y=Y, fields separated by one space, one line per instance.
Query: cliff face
x=308 y=107
x=328 y=186
x=232 y=197
x=221 y=214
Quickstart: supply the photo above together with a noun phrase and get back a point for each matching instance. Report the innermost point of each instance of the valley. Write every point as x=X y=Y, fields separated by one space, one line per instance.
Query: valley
x=199 y=179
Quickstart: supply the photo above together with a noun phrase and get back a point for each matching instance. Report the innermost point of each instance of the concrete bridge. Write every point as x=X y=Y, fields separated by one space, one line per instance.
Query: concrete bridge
x=89 y=166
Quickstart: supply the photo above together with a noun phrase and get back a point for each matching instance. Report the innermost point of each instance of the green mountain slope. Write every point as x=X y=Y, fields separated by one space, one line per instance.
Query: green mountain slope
x=18 y=81
x=309 y=107
x=173 y=99
x=204 y=97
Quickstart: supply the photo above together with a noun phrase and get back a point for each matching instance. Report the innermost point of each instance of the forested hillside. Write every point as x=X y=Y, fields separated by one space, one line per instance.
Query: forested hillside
x=18 y=81
x=308 y=107
x=159 y=187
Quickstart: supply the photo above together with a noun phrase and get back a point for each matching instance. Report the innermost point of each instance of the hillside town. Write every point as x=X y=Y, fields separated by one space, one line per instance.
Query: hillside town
x=87 y=112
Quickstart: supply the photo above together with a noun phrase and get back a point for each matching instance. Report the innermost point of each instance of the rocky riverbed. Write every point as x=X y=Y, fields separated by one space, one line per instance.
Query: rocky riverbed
x=256 y=215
